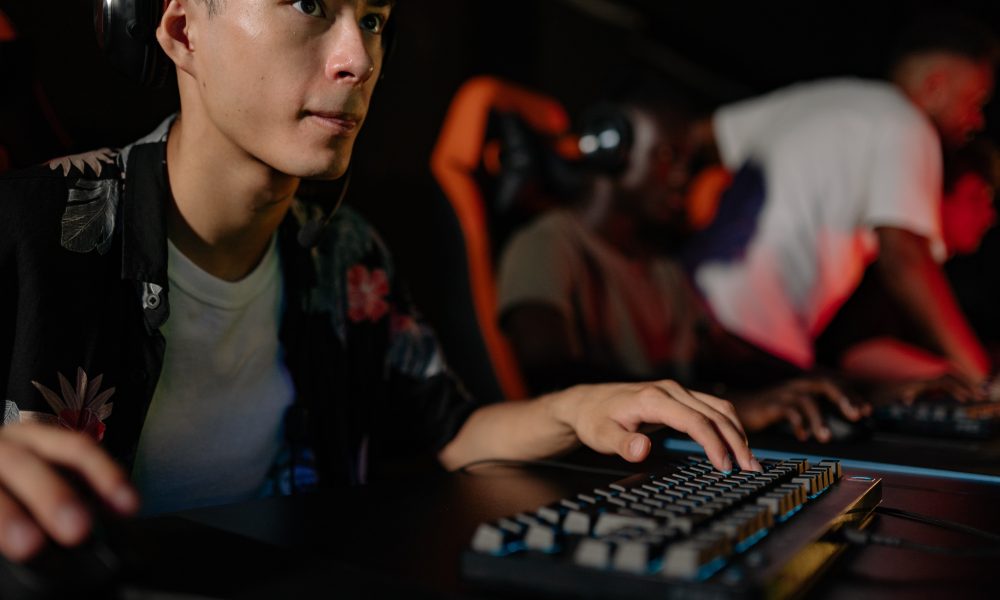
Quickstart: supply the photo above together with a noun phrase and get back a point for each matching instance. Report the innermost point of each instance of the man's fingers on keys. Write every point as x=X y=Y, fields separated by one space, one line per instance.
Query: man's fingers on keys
x=82 y=455
x=731 y=433
x=724 y=417
x=725 y=407
x=960 y=389
x=701 y=430
x=795 y=418
x=839 y=399
x=815 y=418
x=20 y=537
x=44 y=493
x=705 y=432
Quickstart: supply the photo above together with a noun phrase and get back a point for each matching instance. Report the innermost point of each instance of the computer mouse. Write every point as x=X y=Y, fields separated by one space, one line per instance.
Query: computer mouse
x=841 y=429
x=90 y=570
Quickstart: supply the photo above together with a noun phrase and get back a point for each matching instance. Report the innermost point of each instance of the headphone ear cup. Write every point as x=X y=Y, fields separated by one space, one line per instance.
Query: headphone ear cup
x=126 y=32
x=605 y=139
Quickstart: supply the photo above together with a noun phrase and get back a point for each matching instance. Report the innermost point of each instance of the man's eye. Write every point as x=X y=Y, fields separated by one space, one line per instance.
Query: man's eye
x=373 y=22
x=309 y=7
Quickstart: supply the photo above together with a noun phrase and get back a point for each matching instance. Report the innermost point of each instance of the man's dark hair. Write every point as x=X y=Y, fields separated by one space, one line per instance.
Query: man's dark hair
x=945 y=32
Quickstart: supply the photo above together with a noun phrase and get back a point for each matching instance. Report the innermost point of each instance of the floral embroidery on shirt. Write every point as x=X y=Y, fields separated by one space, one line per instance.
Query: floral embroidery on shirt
x=413 y=349
x=366 y=294
x=81 y=409
x=88 y=223
x=95 y=160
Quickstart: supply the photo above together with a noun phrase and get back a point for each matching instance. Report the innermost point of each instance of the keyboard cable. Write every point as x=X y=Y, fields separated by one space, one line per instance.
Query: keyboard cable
x=860 y=537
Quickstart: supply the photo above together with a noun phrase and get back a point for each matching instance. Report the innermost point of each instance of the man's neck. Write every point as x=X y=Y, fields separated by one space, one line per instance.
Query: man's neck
x=602 y=214
x=225 y=204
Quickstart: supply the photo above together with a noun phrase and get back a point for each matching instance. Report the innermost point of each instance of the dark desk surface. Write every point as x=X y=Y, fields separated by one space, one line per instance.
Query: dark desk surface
x=407 y=537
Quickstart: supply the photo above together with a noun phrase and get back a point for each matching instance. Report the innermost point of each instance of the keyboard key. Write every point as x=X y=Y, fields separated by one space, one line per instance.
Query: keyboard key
x=578 y=522
x=834 y=466
x=633 y=556
x=684 y=560
x=594 y=553
x=552 y=514
x=492 y=538
x=605 y=493
x=541 y=537
x=608 y=523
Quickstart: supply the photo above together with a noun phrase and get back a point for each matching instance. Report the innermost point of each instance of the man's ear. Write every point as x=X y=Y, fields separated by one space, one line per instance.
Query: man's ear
x=174 y=36
x=934 y=86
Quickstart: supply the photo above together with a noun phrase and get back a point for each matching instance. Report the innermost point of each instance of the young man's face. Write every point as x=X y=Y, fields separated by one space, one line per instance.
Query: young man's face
x=289 y=82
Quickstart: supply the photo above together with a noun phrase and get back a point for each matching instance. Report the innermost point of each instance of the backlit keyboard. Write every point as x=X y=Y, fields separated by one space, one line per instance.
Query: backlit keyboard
x=684 y=530
x=938 y=414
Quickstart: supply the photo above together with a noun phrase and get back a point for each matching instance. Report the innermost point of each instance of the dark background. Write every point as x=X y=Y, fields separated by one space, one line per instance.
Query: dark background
x=574 y=50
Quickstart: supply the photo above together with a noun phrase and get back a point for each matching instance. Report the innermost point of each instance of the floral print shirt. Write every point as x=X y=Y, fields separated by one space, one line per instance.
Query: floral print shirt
x=83 y=261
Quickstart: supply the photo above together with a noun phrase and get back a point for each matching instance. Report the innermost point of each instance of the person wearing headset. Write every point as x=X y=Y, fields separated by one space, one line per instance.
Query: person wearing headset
x=167 y=303
x=593 y=292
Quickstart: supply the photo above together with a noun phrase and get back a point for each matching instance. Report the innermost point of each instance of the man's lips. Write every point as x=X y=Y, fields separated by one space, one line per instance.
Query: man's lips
x=337 y=122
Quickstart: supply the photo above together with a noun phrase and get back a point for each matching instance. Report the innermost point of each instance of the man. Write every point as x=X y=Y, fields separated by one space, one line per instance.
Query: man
x=870 y=338
x=177 y=270
x=837 y=172
x=591 y=292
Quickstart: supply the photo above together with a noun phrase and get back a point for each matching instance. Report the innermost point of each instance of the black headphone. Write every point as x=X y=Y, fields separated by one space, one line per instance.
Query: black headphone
x=126 y=32
x=606 y=137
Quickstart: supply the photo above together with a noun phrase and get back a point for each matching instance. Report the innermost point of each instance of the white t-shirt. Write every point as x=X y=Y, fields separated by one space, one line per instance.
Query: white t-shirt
x=214 y=426
x=633 y=316
x=839 y=158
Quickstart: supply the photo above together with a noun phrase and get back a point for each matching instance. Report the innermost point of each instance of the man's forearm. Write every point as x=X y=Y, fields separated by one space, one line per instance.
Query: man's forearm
x=512 y=430
x=917 y=283
x=605 y=417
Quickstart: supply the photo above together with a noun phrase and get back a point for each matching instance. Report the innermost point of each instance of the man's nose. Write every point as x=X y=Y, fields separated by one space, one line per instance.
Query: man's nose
x=349 y=61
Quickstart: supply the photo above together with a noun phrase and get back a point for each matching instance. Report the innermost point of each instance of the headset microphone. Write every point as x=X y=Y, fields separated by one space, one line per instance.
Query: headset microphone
x=311 y=230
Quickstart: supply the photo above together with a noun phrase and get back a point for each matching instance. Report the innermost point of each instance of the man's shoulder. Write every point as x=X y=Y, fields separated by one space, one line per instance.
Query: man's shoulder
x=842 y=93
x=557 y=223
x=878 y=99
x=52 y=183
x=95 y=164
x=75 y=190
x=555 y=236
x=558 y=227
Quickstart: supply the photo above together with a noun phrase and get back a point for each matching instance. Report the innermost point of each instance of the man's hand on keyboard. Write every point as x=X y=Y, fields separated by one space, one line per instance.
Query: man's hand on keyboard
x=798 y=402
x=607 y=418
x=946 y=386
x=36 y=501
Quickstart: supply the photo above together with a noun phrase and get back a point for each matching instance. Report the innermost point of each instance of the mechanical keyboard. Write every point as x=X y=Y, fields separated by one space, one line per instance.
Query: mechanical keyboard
x=938 y=414
x=683 y=530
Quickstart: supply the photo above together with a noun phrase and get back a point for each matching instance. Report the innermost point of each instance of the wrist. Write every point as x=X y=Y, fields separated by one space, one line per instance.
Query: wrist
x=561 y=408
